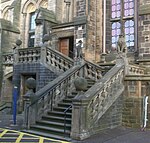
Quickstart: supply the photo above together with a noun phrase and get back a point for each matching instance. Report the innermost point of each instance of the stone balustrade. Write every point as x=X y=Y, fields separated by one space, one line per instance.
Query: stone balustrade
x=58 y=60
x=61 y=87
x=28 y=55
x=7 y=59
x=93 y=71
x=90 y=106
x=136 y=70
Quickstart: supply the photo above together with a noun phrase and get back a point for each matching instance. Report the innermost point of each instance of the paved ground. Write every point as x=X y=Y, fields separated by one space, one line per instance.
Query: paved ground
x=120 y=135
x=10 y=133
x=117 y=135
x=11 y=136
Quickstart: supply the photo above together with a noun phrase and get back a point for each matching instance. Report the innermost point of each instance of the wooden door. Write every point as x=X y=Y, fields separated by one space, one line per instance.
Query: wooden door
x=64 y=46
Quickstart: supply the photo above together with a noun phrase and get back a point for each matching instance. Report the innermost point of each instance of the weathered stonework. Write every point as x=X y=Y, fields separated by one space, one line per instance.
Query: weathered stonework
x=43 y=76
x=132 y=112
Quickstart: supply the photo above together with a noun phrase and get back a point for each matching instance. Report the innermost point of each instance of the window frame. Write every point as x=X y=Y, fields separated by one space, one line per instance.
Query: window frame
x=122 y=20
x=32 y=27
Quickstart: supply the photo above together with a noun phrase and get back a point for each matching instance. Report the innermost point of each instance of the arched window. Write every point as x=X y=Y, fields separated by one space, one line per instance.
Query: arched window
x=122 y=18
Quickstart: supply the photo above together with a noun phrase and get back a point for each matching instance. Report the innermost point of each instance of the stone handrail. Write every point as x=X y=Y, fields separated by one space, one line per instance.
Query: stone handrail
x=93 y=104
x=58 y=60
x=136 y=70
x=7 y=59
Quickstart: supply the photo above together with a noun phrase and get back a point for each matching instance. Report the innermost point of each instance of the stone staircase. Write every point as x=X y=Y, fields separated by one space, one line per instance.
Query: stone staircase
x=56 y=123
x=59 y=112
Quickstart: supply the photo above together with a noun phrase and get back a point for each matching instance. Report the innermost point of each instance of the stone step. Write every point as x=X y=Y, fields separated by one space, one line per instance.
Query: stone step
x=56 y=119
x=66 y=105
x=60 y=114
x=67 y=100
x=53 y=124
x=48 y=135
x=50 y=130
x=62 y=109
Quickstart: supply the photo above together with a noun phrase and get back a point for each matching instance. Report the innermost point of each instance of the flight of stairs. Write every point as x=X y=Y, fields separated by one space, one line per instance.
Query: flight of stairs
x=53 y=122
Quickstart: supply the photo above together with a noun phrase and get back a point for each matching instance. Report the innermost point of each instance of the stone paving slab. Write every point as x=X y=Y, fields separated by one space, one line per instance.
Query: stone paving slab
x=119 y=135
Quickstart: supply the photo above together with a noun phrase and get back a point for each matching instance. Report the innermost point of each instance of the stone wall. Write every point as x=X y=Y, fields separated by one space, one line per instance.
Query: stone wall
x=144 y=37
x=113 y=116
x=94 y=31
x=144 y=29
x=9 y=38
x=43 y=75
x=132 y=112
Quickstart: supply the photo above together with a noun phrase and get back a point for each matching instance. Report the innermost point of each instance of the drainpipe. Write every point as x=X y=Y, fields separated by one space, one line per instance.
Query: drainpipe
x=104 y=27
x=145 y=110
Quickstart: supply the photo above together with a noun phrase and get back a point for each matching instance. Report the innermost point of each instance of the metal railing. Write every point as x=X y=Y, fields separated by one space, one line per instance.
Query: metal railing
x=65 y=112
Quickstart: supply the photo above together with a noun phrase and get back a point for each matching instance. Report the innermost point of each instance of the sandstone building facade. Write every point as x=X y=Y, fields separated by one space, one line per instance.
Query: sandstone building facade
x=62 y=23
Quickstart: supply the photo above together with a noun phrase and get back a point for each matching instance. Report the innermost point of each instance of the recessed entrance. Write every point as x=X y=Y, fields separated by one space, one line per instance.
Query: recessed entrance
x=66 y=46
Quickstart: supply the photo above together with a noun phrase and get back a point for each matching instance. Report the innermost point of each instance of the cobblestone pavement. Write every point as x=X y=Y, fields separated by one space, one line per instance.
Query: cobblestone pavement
x=11 y=136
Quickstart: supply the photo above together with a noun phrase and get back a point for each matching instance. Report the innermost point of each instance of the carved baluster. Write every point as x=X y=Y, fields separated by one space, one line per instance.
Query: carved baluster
x=48 y=57
x=38 y=55
x=11 y=59
x=34 y=55
x=21 y=56
x=29 y=56
x=25 y=56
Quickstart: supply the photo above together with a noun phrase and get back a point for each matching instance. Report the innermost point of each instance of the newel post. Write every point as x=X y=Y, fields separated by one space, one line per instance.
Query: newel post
x=30 y=114
x=79 y=130
x=43 y=48
x=43 y=54
x=15 y=50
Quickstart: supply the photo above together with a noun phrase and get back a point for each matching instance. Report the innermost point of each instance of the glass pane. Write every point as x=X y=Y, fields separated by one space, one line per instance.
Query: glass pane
x=131 y=43
x=118 y=25
x=129 y=8
x=127 y=24
x=32 y=21
x=131 y=4
x=131 y=23
x=126 y=30
x=116 y=6
x=113 y=8
x=113 y=15
x=131 y=30
x=113 y=25
x=113 y=1
x=131 y=37
x=118 y=1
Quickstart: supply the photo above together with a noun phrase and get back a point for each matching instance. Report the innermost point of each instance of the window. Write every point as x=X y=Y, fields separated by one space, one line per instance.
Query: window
x=122 y=18
x=32 y=26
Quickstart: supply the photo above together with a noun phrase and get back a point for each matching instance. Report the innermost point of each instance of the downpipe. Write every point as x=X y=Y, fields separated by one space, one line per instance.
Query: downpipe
x=145 y=111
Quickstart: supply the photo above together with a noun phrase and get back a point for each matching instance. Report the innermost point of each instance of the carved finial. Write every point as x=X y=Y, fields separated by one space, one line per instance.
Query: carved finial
x=18 y=42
